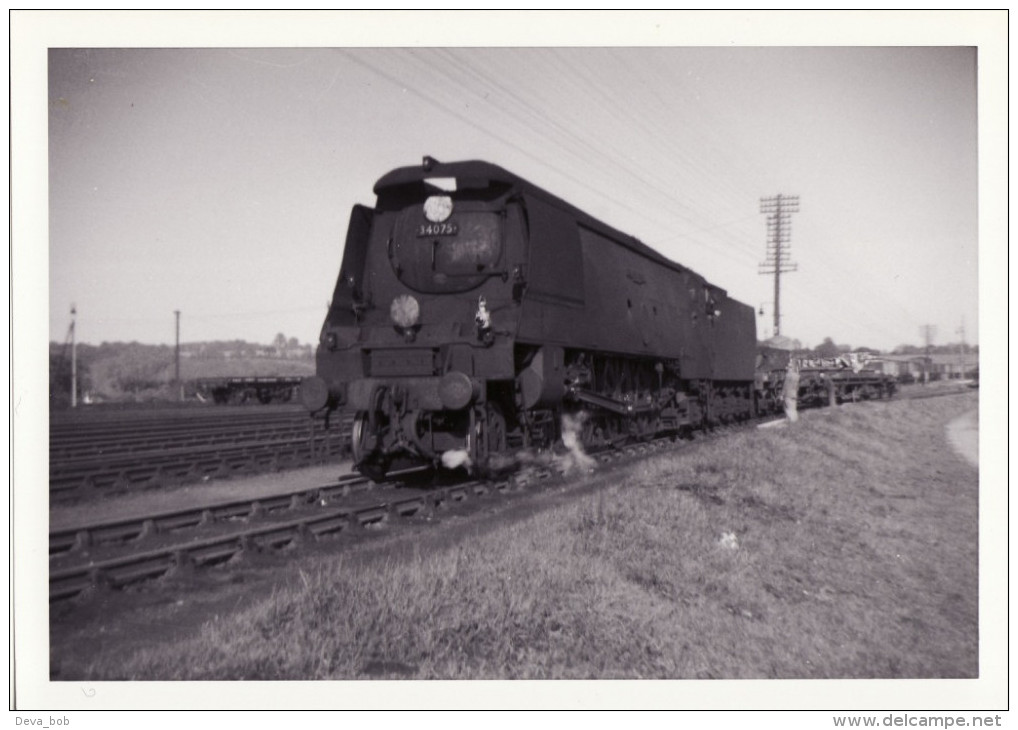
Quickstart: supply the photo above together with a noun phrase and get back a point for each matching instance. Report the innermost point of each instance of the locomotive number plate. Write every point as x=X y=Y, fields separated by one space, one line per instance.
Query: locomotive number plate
x=402 y=362
x=437 y=229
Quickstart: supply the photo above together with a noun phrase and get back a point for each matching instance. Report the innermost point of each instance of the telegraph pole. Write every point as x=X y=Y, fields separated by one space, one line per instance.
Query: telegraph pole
x=176 y=360
x=961 y=350
x=74 y=360
x=928 y=331
x=779 y=209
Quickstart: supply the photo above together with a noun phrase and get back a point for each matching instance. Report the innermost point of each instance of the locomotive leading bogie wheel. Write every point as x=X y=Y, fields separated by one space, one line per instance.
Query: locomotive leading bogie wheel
x=495 y=426
x=362 y=445
x=358 y=433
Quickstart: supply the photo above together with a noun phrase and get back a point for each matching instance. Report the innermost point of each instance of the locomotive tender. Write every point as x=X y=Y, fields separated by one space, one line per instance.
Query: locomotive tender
x=476 y=315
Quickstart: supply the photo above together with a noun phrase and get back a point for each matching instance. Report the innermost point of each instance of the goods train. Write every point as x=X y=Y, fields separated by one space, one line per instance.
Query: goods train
x=822 y=381
x=477 y=316
x=252 y=389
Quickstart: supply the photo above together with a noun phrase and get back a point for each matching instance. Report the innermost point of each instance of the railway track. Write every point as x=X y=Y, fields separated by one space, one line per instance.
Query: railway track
x=70 y=441
x=119 y=553
x=130 y=529
x=160 y=450
x=122 y=552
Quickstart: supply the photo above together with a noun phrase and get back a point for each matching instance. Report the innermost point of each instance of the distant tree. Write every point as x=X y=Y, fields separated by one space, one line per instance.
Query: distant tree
x=60 y=371
x=59 y=379
x=293 y=343
x=827 y=348
x=907 y=350
x=952 y=348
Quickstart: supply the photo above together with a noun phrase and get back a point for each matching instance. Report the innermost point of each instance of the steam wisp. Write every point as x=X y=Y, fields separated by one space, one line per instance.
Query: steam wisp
x=456 y=458
x=574 y=460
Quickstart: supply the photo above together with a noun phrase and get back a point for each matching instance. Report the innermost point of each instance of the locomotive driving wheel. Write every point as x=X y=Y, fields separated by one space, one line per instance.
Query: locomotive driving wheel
x=357 y=435
x=646 y=427
x=362 y=447
x=495 y=428
x=615 y=431
x=592 y=433
x=491 y=440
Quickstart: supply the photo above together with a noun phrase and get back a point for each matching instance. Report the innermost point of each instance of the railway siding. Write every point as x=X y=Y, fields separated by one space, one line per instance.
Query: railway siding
x=109 y=456
x=117 y=553
x=88 y=555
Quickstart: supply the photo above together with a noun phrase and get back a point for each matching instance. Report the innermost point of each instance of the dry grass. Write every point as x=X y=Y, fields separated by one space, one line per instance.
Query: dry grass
x=844 y=546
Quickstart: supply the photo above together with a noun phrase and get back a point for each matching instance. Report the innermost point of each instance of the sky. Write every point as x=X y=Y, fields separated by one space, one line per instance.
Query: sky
x=218 y=181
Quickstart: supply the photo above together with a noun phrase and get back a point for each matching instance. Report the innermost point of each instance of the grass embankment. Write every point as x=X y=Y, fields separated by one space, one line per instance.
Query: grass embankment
x=843 y=546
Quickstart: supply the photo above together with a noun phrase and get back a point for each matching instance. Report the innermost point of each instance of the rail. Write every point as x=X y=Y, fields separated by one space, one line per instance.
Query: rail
x=140 y=453
x=362 y=504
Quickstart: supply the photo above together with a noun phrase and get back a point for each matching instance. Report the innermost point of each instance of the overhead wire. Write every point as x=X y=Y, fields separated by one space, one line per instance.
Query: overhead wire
x=569 y=141
x=604 y=156
x=431 y=99
x=655 y=184
x=682 y=166
x=875 y=323
x=677 y=166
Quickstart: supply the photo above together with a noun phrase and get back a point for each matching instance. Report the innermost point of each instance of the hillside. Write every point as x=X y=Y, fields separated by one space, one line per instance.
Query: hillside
x=132 y=372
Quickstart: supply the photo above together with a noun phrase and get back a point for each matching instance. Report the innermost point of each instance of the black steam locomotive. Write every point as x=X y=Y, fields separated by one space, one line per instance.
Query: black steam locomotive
x=476 y=316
